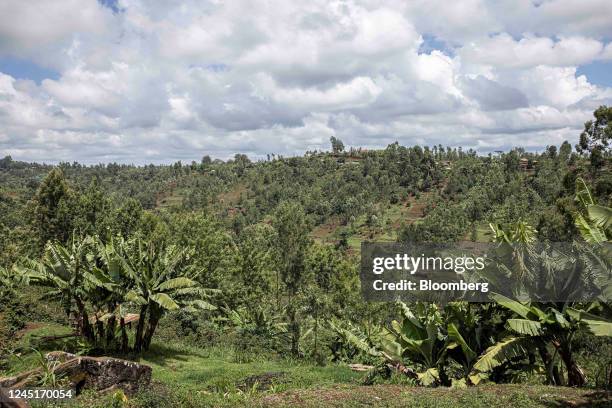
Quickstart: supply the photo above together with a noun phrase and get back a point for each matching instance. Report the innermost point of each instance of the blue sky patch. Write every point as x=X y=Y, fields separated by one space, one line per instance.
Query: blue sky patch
x=598 y=72
x=111 y=4
x=22 y=69
x=431 y=43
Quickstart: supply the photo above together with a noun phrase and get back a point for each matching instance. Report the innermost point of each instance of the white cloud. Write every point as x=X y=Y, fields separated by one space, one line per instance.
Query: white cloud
x=159 y=81
x=37 y=29
x=504 y=52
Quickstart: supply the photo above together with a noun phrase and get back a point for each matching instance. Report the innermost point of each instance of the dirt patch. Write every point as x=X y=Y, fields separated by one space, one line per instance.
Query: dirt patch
x=325 y=230
x=232 y=197
x=29 y=326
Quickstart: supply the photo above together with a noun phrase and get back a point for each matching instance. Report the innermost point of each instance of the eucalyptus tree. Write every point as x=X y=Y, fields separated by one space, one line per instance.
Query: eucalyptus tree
x=596 y=137
x=50 y=208
x=292 y=241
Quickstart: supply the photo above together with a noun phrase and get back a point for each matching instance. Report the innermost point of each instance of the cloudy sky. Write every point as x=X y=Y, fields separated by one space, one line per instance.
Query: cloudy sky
x=158 y=81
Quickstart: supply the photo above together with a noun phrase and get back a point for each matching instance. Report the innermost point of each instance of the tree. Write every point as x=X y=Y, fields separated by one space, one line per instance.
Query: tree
x=337 y=145
x=66 y=271
x=565 y=151
x=127 y=217
x=92 y=212
x=51 y=208
x=162 y=281
x=596 y=137
x=292 y=242
x=541 y=326
x=255 y=266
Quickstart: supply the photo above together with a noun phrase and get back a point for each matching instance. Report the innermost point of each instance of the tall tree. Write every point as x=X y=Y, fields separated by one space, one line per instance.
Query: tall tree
x=596 y=137
x=292 y=239
x=337 y=145
x=51 y=208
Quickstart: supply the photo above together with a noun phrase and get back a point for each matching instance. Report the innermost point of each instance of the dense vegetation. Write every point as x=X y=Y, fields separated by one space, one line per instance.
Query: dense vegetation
x=260 y=260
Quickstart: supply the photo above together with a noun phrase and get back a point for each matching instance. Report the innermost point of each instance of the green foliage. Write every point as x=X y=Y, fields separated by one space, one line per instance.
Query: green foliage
x=277 y=242
x=595 y=138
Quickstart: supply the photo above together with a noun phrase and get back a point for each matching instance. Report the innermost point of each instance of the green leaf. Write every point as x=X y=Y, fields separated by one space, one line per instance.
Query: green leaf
x=513 y=305
x=134 y=297
x=355 y=340
x=458 y=383
x=525 y=327
x=600 y=215
x=453 y=333
x=392 y=349
x=597 y=325
x=500 y=352
x=477 y=378
x=591 y=233
x=583 y=196
x=164 y=301
x=200 y=304
x=429 y=376
x=176 y=283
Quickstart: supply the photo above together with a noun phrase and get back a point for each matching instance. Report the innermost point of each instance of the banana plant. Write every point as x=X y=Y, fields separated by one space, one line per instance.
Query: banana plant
x=162 y=280
x=593 y=221
x=425 y=338
x=67 y=272
x=420 y=338
x=471 y=330
x=535 y=326
x=112 y=294
x=9 y=281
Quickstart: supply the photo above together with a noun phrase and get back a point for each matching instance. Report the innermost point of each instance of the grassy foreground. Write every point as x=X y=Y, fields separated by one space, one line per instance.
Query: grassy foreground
x=349 y=395
x=185 y=376
x=191 y=377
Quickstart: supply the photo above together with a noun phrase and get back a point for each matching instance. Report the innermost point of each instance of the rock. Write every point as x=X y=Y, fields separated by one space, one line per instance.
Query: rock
x=105 y=373
x=60 y=356
x=96 y=373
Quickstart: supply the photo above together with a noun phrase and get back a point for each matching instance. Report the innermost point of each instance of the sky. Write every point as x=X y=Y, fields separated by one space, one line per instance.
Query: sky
x=155 y=81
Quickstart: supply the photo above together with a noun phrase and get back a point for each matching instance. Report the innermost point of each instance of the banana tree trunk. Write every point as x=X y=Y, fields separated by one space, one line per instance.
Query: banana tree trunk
x=83 y=325
x=110 y=330
x=140 y=328
x=153 y=321
x=575 y=375
x=552 y=371
x=124 y=336
x=100 y=329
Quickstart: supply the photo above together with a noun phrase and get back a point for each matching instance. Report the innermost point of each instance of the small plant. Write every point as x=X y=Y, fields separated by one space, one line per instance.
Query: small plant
x=119 y=399
x=48 y=377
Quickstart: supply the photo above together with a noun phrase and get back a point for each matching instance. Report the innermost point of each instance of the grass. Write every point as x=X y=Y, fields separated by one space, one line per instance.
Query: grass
x=214 y=370
x=194 y=377
x=483 y=233
x=30 y=338
x=487 y=396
